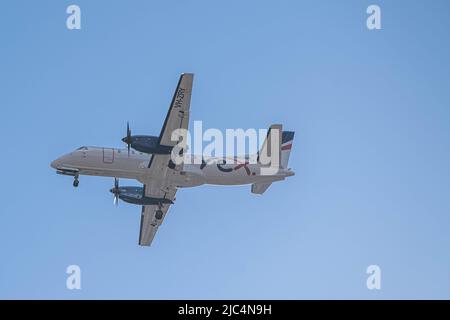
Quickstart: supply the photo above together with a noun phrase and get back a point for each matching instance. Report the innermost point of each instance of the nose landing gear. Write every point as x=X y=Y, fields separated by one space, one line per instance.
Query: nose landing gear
x=76 y=182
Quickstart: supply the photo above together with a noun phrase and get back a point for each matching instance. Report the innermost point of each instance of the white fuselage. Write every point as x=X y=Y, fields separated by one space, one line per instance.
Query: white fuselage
x=111 y=162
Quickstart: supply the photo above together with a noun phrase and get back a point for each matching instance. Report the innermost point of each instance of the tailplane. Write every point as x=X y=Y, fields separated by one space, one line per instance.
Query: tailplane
x=260 y=188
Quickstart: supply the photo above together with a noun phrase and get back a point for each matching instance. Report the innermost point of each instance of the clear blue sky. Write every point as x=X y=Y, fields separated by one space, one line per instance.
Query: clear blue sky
x=371 y=151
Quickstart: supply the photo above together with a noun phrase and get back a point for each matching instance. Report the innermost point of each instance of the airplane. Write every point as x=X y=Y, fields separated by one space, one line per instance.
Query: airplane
x=147 y=159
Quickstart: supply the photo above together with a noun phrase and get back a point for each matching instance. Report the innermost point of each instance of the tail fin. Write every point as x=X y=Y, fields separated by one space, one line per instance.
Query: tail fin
x=285 y=143
x=284 y=150
x=286 y=146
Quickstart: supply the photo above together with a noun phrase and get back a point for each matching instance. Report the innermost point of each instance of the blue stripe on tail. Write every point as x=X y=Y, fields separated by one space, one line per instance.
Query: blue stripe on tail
x=287 y=136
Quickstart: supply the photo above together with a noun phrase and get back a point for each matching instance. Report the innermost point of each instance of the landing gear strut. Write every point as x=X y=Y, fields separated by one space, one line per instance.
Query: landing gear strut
x=76 y=182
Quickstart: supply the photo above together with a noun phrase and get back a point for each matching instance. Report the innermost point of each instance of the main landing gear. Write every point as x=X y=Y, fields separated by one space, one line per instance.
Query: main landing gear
x=159 y=214
x=76 y=182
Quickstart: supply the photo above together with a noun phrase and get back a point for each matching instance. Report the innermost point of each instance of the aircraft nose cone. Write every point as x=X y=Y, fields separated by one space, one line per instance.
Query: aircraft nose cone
x=54 y=164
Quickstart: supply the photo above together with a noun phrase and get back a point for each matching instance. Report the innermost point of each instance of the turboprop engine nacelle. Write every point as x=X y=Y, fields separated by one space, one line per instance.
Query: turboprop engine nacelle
x=147 y=144
x=135 y=195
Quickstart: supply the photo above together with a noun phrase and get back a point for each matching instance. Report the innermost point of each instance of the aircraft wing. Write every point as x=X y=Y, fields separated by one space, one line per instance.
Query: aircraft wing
x=160 y=171
x=178 y=114
x=149 y=223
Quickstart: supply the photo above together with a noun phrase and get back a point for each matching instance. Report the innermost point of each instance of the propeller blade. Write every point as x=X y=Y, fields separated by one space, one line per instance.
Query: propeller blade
x=128 y=137
x=116 y=191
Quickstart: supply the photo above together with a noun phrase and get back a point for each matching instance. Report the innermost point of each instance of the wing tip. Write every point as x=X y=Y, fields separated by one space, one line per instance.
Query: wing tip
x=187 y=75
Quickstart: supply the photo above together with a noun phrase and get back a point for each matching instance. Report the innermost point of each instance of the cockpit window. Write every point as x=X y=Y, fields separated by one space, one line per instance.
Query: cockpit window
x=82 y=148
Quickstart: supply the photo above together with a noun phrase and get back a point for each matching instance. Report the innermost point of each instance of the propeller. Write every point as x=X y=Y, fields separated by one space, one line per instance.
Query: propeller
x=116 y=191
x=127 y=139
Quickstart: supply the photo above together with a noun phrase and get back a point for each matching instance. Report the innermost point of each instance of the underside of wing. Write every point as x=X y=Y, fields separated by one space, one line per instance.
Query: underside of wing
x=161 y=169
x=149 y=226
x=161 y=165
x=178 y=114
x=152 y=216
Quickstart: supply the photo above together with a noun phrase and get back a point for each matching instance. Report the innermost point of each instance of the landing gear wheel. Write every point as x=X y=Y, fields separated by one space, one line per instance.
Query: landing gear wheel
x=76 y=183
x=171 y=165
x=159 y=214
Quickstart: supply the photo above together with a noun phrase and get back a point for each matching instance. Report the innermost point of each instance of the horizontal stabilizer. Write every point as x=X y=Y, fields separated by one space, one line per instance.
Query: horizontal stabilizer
x=260 y=188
